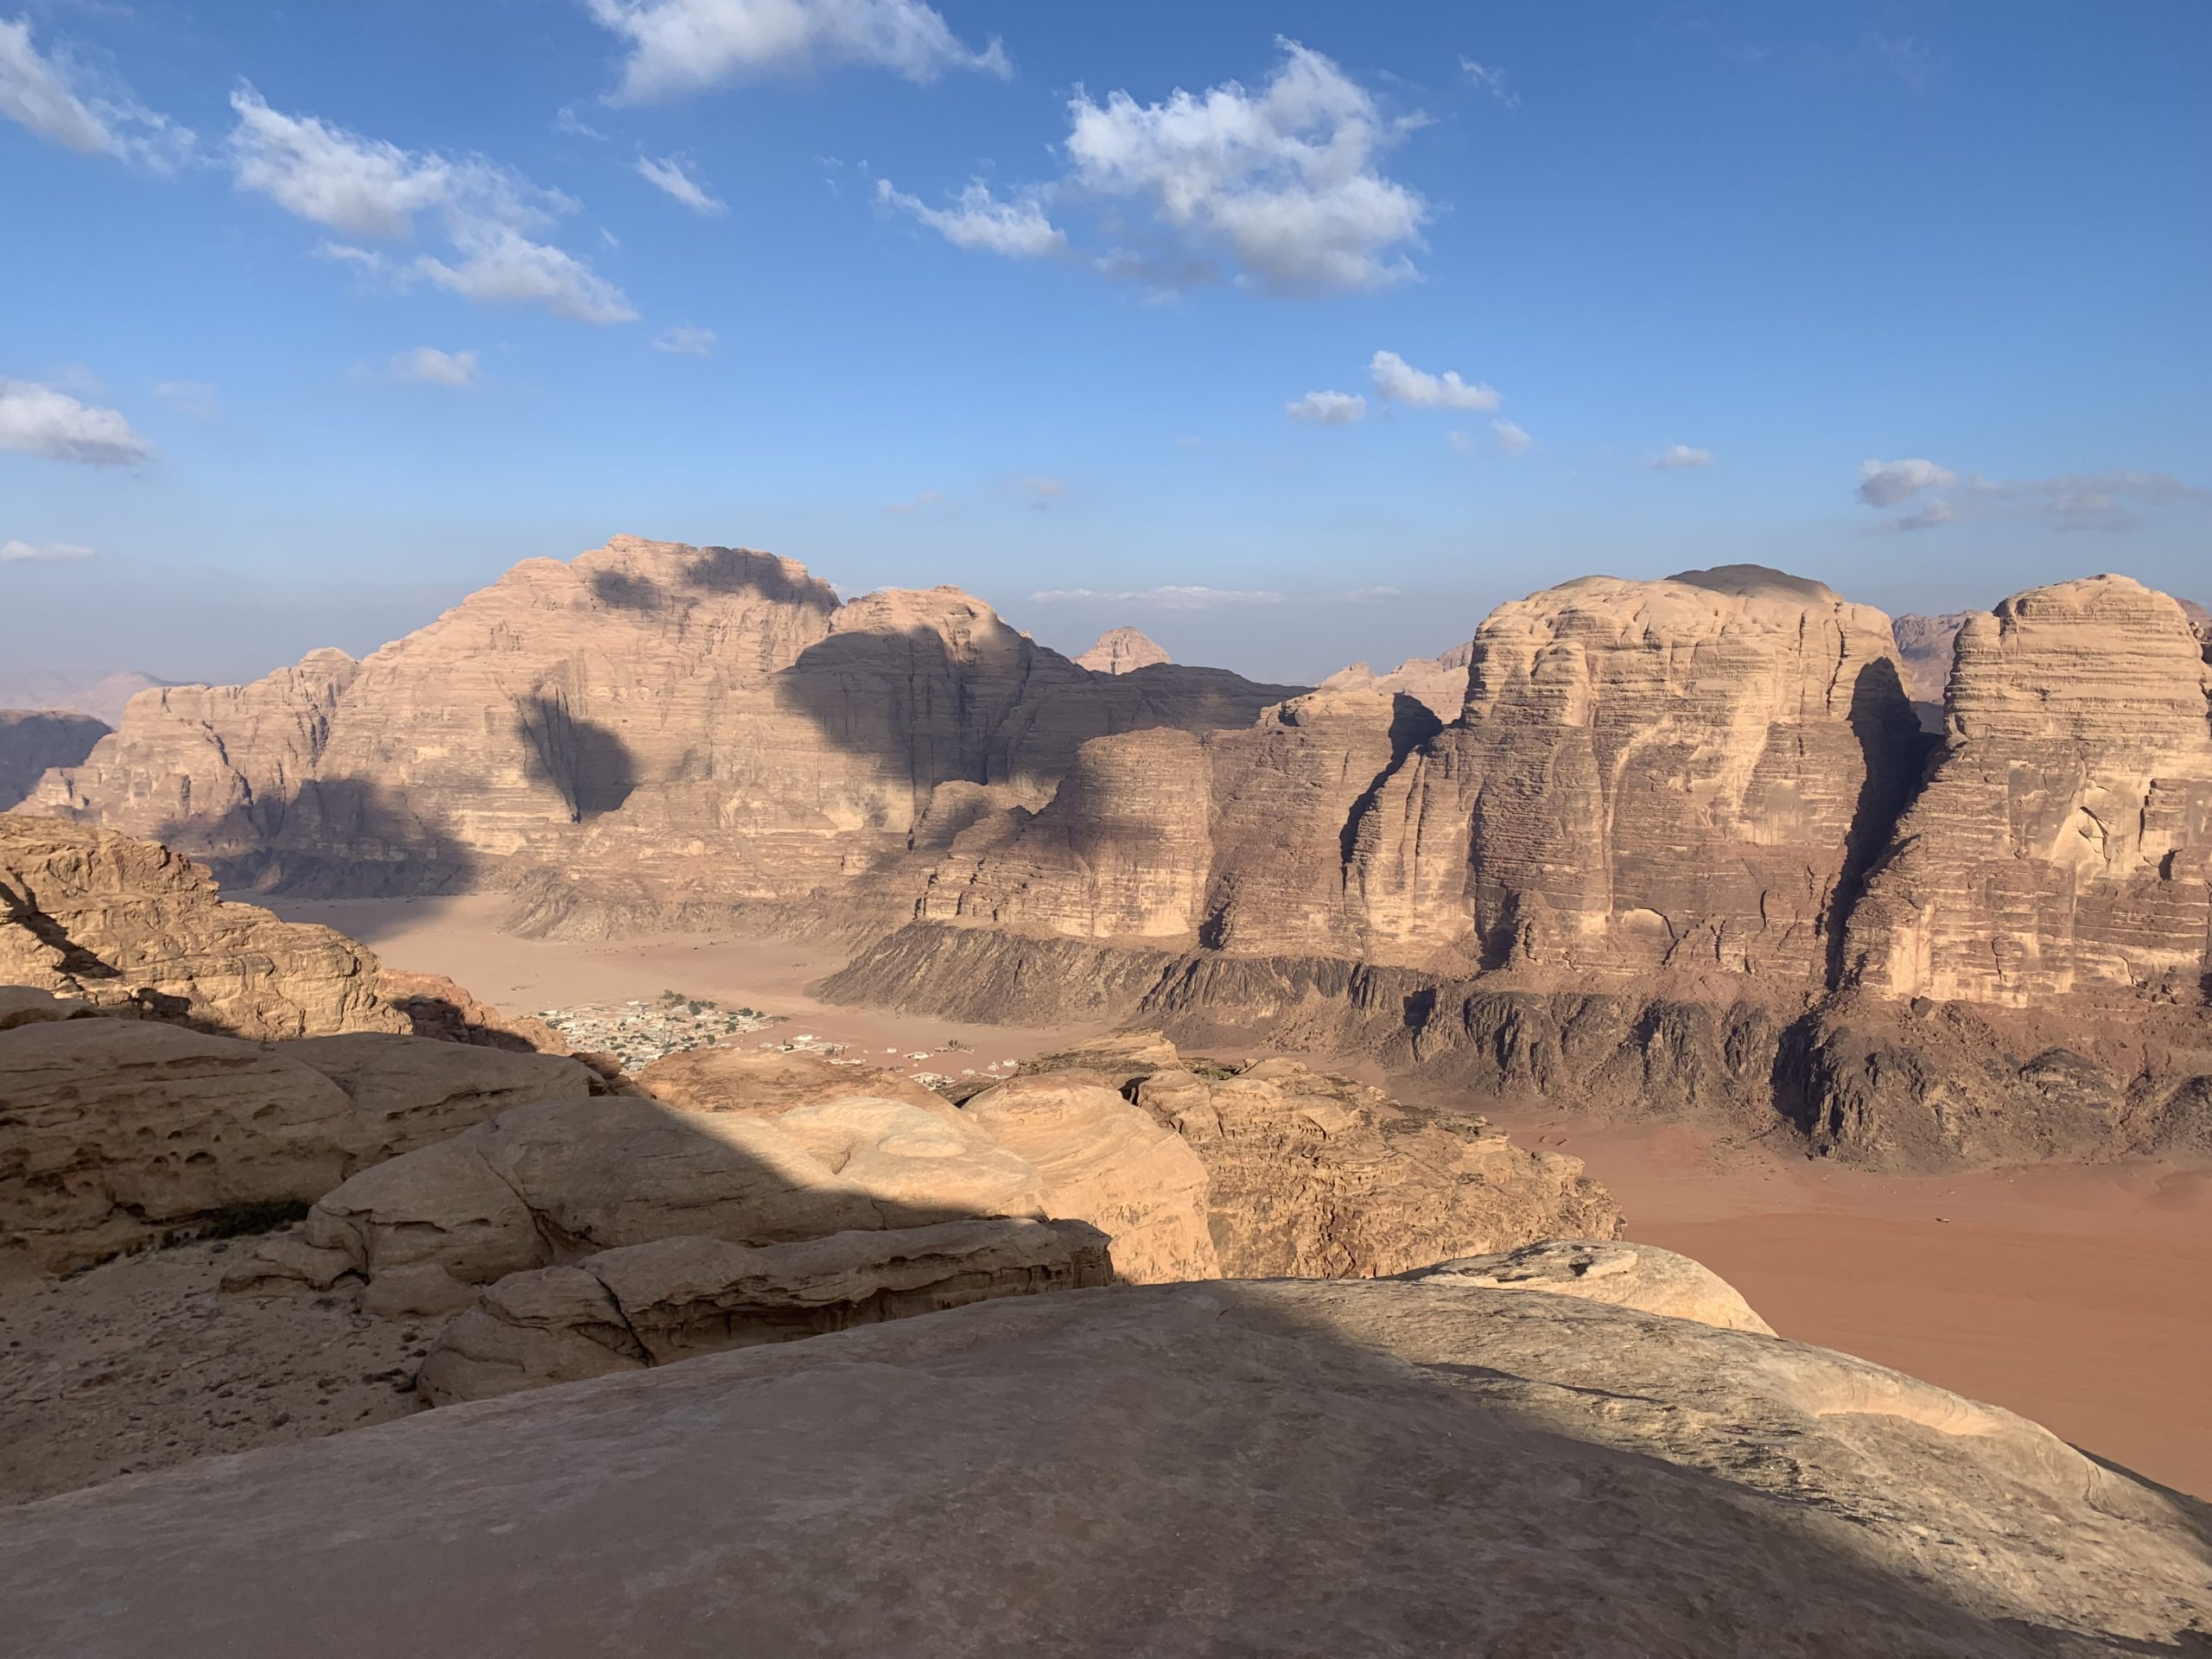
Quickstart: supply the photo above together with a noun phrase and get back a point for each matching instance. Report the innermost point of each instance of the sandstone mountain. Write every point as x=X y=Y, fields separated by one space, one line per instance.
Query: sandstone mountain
x=103 y=697
x=1119 y=651
x=1438 y=684
x=1307 y=1468
x=707 y=721
x=34 y=739
x=1924 y=647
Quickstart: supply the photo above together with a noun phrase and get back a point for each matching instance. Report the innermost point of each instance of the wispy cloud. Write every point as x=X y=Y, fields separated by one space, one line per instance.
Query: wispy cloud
x=1043 y=491
x=426 y=365
x=2073 y=501
x=685 y=340
x=1509 y=438
x=195 y=399
x=675 y=174
x=575 y=126
x=43 y=420
x=17 y=552
x=685 y=46
x=488 y=215
x=41 y=93
x=980 y=221
x=927 y=499
x=1327 y=408
x=1680 y=458
x=1903 y=56
x=1489 y=78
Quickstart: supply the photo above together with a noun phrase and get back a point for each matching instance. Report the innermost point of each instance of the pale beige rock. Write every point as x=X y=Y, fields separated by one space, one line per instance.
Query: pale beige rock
x=1308 y=1469
x=129 y=925
x=2062 y=849
x=1438 y=683
x=1110 y=1163
x=27 y=1005
x=112 y=1131
x=677 y=1298
x=1926 y=645
x=1309 y=1175
x=767 y=1084
x=409 y=1091
x=545 y=1183
x=1122 y=651
x=1641 y=1277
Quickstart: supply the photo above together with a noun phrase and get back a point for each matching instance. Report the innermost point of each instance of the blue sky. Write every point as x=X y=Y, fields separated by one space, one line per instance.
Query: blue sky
x=1291 y=334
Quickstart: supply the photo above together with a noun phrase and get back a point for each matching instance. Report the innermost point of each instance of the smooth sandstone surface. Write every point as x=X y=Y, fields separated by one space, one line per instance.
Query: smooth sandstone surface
x=677 y=1298
x=1639 y=1276
x=1283 y=1468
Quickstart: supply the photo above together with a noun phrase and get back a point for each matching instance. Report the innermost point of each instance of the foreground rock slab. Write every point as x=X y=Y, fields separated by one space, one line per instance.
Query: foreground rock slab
x=1379 y=1467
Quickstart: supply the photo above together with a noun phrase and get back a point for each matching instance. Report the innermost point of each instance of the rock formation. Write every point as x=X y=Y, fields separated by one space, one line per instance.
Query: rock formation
x=1924 y=648
x=1119 y=651
x=1298 y=1467
x=115 y=1132
x=2062 y=849
x=32 y=740
x=129 y=925
x=1439 y=684
x=104 y=698
x=626 y=1310
x=650 y=725
x=1625 y=1276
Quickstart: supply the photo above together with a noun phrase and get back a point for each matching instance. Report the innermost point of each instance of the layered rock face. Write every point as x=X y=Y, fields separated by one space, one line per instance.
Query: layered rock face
x=1925 y=647
x=1119 y=651
x=33 y=740
x=2061 y=851
x=679 y=722
x=1375 y=1467
x=129 y=925
x=1685 y=775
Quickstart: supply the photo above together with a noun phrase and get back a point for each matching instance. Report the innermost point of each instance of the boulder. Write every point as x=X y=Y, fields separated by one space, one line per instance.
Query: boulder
x=1111 y=1164
x=1292 y=1468
x=1641 y=1277
x=409 y=1091
x=677 y=1298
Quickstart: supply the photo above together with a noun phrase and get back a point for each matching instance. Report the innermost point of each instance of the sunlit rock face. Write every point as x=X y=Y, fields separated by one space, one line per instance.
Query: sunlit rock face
x=1648 y=776
x=650 y=712
x=2063 y=846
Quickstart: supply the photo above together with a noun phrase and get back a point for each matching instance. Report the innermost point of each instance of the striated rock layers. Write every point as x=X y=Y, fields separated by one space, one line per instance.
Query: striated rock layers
x=1438 y=683
x=649 y=726
x=1288 y=1468
x=130 y=926
x=33 y=740
x=1685 y=850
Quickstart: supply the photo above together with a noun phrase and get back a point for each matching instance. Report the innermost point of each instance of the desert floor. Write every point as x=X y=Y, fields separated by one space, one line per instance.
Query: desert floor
x=2074 y=1296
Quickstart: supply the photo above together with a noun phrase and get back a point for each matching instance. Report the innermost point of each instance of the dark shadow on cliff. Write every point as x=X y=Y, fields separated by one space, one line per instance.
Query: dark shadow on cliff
x=330 y=838
x=587 y=763
x=1413 y=723
x=624 y=592
x=34 y=741
x=1897 y=754
x=739 y=570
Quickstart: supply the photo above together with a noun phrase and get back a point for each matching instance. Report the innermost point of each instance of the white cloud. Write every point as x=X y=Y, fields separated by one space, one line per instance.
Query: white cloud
x=37 y=92
x=569 y=122
x=1509 y=438
x=1680 y=458
x=16 y=552
x=1327 y=408
x=1491 y=80
x=1398 y=382
x=1885 y=483
x=978 y=220
x=1187 y=598
x=41 y=419
x=2073 y=501
x=1282 y=181
x=488 y=215
x=927 y=499
x=683 y=46
x=194 y=398
x=686 y=340
x=426 y=365
x=673 y=174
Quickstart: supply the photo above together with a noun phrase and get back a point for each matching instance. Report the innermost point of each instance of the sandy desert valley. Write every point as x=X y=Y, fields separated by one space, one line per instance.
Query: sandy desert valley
x=940 y=905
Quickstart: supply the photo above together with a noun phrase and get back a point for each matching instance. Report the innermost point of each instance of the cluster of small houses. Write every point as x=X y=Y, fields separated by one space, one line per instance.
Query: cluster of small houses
x=638 y=1033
